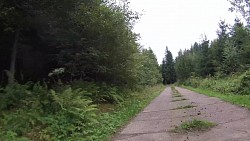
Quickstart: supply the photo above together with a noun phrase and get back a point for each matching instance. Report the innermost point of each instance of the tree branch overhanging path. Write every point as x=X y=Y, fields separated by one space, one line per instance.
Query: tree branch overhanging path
x=157 y=121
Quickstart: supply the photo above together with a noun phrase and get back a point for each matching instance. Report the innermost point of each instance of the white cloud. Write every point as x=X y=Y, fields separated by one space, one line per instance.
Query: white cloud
x=178 y=24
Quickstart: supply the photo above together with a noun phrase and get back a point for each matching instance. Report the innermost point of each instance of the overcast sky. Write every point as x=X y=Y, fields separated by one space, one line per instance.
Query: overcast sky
x=178 y=23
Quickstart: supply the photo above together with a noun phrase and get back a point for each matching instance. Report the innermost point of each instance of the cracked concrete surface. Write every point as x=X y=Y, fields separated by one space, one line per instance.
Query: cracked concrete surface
x=157 y=119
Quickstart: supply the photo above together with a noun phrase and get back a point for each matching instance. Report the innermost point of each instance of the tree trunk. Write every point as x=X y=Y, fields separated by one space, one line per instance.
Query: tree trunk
x=11 y=74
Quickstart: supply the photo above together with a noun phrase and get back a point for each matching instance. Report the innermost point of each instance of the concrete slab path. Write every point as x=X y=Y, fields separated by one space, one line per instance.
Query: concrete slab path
x=158 y=118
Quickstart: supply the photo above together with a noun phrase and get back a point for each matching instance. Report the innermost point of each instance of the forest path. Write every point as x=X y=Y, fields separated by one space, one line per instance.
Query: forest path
x=157 y=120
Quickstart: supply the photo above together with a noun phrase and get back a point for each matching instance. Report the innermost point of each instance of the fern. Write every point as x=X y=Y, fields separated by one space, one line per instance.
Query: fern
x=76 y=111
x=101 y=93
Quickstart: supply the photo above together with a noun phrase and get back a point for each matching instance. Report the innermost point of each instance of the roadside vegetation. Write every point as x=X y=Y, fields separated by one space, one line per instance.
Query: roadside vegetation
x=71 y=70
x=233 y=88
x=194 y=125
x=69 y=114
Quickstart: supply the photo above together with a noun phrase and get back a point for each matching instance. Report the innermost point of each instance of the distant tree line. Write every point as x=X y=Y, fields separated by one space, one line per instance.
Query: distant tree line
x=227 y=54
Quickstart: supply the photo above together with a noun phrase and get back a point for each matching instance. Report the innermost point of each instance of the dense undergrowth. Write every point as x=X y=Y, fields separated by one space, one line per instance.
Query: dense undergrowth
x=238 y=83
x=34 y=112
x=234 y=88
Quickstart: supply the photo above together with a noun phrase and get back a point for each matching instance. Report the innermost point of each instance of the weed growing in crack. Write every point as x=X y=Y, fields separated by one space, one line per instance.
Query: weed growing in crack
x=182 y=99
x=194 y=125
x=184 y=107
x=176 y=95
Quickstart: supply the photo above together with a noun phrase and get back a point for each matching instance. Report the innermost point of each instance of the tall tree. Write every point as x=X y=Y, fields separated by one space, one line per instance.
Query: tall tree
x=243 y=7
x=220 y=44
x=168 y=70
x=184 y=65
x=148 y=68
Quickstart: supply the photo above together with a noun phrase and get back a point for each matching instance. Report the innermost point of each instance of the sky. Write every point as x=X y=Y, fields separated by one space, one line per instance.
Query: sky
x=178 y=23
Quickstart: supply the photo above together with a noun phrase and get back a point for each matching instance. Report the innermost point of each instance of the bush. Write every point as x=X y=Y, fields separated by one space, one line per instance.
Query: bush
x=244 y=87
x=235 y=83
x=193 y=82
x=13 y=95
x=24 y=96
x=11 y=136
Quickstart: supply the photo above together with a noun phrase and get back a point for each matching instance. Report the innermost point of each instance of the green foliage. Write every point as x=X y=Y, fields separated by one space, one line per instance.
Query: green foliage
x=226 y=55
x=68 y=114
x=225 y=85
x=11 y=136
x=244 y=87
x=235 y=84
x=168 y=71
x=12 y=95
x=73 y=103
x=25 y=96
x=74 y=112
x=100 y=93
x=90 y=40
x=148 y=68
x=184 y=66
x=47 y=115
x=233 y=88
x=59 y=42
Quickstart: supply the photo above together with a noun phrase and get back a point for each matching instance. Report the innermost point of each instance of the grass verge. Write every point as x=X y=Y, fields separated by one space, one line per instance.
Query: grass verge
x=241 y=100
x=194 y=125
x=111 y=122
x=184 y=107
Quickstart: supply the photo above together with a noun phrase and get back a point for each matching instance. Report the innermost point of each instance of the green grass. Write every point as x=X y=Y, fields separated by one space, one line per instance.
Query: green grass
x=184 y=107
x=194 y=125
x=176 y=95
x=174 y=90
x=111 y=122
x=241 y=100
x=182 y=99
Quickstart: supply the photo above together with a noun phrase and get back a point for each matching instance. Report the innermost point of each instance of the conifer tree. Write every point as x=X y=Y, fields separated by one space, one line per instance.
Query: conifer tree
x=168 y=71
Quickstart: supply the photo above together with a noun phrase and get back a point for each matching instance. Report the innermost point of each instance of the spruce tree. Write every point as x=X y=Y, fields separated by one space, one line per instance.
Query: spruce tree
x=168 y=71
